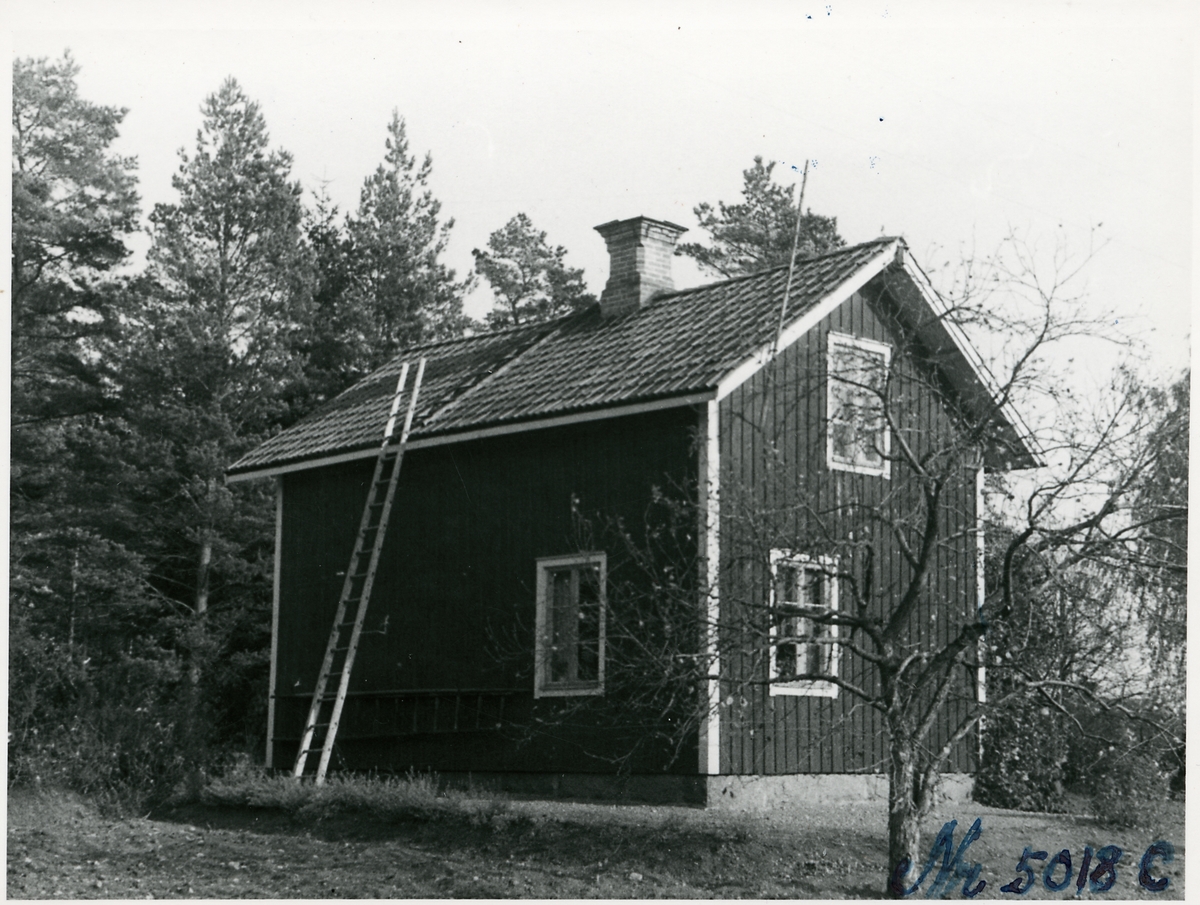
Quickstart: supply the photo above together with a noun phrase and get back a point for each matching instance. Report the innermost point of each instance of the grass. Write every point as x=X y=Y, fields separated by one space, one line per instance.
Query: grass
x=413 y=798
x=259 y=835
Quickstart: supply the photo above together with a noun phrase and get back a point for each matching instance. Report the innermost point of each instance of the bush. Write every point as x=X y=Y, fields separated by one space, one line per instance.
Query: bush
x=1128 y=791
x=1024 y=755
x=114 y=732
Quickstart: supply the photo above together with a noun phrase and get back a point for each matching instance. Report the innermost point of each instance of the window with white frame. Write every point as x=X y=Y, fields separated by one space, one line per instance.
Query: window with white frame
x=804 y=649
x=569 y=646
x=858 y=439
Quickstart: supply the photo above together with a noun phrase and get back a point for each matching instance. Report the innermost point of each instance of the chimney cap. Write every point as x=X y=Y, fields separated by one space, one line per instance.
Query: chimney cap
x=612 y=226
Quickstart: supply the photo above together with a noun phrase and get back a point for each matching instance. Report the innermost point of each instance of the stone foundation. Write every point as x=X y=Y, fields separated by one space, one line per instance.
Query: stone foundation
x=762 y=793
x=660 y=789
x=741 y=793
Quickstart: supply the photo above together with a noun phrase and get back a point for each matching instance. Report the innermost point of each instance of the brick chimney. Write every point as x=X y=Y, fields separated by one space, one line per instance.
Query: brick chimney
x=639 y=254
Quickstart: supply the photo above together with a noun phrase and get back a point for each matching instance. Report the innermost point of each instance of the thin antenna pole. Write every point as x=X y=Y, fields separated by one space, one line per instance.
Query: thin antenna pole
x=787 y=289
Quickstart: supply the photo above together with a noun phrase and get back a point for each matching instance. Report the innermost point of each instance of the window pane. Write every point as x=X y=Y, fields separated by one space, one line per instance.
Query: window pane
x=787 y=650
x=813 y=583
x=588 y=625
x=787 y=585
x=563 y=628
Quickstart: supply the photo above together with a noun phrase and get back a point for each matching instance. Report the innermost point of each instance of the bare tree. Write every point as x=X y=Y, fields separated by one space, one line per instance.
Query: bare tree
x=920 y=648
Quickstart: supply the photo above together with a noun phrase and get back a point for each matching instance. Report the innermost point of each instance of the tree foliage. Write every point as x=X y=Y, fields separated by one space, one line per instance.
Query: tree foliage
x=1160 y=505
x=401 y=293
x=530 y=281
x=74 y=204
x=759 y=232
x=232 y=277
x=226 y=310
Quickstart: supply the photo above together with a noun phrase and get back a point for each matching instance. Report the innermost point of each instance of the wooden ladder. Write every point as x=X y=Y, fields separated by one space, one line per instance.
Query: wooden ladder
x=325 y=712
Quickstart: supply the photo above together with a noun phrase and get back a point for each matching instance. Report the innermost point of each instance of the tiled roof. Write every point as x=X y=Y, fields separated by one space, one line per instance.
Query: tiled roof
x=678 y=344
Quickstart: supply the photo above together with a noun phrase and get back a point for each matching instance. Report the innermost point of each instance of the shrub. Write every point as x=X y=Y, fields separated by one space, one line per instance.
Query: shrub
x=1024 y=754
x=1128 y=791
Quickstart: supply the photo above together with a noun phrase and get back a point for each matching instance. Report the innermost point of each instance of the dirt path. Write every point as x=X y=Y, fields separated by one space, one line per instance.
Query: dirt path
x=60 y=847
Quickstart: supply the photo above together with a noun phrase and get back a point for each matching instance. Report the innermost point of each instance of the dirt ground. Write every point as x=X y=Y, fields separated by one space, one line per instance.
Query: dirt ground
x=60 y=846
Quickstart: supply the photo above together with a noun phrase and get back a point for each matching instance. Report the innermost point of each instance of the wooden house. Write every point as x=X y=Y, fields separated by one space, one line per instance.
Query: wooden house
x=518 y=431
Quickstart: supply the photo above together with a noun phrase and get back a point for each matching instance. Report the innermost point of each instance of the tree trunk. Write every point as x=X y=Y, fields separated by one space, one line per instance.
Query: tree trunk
x=71 y=617
x=193 y=733
x=904 y=826
x=202 y=572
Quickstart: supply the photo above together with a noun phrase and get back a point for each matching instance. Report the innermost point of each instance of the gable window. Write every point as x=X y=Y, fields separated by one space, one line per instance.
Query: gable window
x=804 y=650
x=858 y=438
x=569 y=648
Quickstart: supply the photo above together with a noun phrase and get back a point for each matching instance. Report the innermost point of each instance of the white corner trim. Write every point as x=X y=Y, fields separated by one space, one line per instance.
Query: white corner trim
x=980 y=582
x=274 y=623
x=372 y=452
x=852 y=284
x=709 y=473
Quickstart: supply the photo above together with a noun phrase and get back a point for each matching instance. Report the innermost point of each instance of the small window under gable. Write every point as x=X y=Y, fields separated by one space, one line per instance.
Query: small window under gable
x=804 y=649
x=569 y=646
x=858 y=439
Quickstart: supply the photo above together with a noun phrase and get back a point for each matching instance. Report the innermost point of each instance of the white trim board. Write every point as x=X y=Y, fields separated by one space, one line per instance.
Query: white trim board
x=274 y=623
x=710 y=556
x=636 y=408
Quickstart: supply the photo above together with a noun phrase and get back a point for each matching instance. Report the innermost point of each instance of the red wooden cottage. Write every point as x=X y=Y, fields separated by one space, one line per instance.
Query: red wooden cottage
x=518 y=431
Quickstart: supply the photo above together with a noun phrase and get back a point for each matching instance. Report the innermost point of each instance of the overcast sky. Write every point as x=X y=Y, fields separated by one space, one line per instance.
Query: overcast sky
x=948 y=124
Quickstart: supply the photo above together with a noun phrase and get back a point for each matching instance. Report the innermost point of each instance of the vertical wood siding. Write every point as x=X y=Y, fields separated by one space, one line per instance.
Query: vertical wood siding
x=453 y=606
x=777 y=491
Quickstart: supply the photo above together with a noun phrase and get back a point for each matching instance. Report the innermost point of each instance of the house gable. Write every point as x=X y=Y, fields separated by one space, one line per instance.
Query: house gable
x=777 y=496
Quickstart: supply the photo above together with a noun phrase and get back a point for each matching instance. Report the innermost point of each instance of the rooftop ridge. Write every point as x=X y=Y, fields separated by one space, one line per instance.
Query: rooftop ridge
x=758 y=274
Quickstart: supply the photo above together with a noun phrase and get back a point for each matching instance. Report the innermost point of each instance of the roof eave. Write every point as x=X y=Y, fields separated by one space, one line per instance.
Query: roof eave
x=579 y=416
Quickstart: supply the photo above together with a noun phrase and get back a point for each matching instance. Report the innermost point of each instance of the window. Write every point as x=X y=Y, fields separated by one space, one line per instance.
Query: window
x=858 y=438
x=569 y=649
x=804 y=651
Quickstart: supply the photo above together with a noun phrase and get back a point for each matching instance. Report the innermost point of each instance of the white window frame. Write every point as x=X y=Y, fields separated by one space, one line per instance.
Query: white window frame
x=827 y=567
x=870 y=346
x=543 y=646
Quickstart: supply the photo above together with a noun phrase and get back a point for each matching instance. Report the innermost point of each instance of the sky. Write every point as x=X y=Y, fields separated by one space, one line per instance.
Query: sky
x=949 y=124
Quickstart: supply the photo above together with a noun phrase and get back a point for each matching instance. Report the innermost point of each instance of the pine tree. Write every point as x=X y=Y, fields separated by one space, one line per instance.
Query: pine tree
x=759 y=232
x=74 y=205
x=210 y=373
x=401 y=292
x=530 y=280
x=234 y=273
